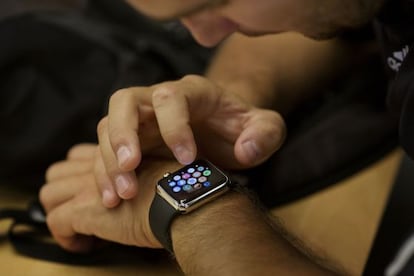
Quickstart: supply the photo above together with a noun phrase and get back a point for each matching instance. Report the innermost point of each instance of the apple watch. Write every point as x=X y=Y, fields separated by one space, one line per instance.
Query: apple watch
x=181 y=192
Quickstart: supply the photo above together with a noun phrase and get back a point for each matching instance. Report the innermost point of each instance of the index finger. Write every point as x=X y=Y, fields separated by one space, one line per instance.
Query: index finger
x=178 y=104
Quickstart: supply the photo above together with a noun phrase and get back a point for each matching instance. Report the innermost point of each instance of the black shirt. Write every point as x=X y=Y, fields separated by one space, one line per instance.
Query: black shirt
x=395 y=28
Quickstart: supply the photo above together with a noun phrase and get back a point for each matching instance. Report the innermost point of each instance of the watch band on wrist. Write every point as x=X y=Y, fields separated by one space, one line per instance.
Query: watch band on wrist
x=161 y=216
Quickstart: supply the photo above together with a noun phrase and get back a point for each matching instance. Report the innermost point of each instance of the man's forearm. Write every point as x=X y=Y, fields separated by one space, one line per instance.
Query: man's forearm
x=230 y=236
x=278 y=71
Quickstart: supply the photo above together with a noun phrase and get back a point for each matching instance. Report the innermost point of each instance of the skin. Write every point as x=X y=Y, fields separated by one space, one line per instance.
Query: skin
x=244 y=135
x=212 y=21
x=141 y=121
x=124 y=140
x=77 y=220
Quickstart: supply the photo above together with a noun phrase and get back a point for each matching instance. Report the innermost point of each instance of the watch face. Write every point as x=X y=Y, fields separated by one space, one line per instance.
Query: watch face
x=192 y=181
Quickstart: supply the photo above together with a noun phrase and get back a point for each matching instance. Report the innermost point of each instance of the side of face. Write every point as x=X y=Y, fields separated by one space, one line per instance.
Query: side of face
x=211 y=21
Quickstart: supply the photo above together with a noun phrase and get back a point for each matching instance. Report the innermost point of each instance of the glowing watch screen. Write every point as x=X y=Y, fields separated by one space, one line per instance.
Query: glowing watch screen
x=193 y=180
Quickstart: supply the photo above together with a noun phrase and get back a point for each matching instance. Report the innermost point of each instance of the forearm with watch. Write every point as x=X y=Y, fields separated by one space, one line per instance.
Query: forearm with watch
x=226 y=234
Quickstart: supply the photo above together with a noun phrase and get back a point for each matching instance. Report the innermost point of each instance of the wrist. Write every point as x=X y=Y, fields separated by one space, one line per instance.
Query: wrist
x=199 y=234
x=149 y=171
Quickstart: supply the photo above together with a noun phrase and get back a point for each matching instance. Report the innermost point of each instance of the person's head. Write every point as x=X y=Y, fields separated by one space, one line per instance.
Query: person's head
x=210 y=21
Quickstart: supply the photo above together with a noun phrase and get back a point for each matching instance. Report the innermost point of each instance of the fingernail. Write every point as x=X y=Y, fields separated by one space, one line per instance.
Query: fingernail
x=183 y=154
x=123 y=154
x=122 y=184
x=107 y=197
x=252 y=150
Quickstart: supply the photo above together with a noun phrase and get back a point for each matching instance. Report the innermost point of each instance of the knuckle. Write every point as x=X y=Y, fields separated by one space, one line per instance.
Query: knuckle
x=192 y=79
x=44 y=196
x=281 y=126
x=195 y=82
x=102 y=124
x=171 y=135
x=278 y=128
x=274 y=118
x=52 y=223
x=164 y=93
x=280 y=119
x=116 y=134
x=51 y=171
x=174 y=136
x=73 y=151
x=121 y=95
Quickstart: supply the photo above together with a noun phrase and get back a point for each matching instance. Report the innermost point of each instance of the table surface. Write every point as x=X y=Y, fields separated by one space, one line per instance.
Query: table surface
x=343 y=232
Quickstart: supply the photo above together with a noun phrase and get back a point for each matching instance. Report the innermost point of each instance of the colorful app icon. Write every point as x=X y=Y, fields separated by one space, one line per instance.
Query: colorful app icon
x=177 y=177
x=207 y=173
x=206 y=184
x=200 y=169
x=181 y=182
x=192 y=181
x=197 y=174
x=202 y=179
x=190 y=170
x=187 y=187
x=198 y=186
x=186 y=176
x=172 y=183
x=176 y=189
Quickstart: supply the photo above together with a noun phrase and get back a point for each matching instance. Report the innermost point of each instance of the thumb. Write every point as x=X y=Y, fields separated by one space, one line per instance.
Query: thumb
x=262 y=135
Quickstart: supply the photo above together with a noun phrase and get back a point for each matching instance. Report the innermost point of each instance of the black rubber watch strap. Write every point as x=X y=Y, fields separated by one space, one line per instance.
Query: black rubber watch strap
x=160 y=217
